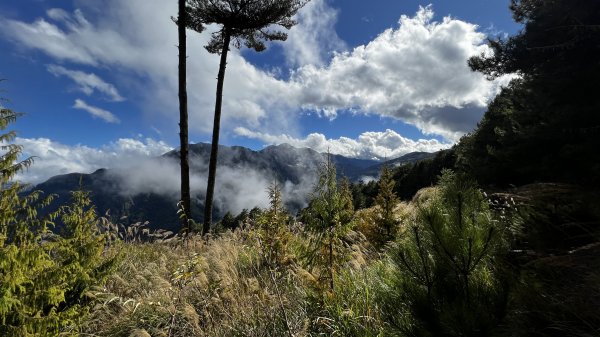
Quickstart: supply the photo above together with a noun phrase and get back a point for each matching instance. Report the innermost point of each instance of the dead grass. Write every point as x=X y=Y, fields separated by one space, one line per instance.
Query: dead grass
x=217 y=288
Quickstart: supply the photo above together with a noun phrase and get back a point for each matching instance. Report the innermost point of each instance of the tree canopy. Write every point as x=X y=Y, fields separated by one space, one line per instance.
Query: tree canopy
x=559 y=39
x=545 y=124
x=248 y=22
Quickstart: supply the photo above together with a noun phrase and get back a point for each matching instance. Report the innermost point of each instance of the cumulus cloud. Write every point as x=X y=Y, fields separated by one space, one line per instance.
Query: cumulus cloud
x=53 y=158
x=96 y=112
x=369 y=145
x=87 y=82
x=313 y=40
x=415 y=72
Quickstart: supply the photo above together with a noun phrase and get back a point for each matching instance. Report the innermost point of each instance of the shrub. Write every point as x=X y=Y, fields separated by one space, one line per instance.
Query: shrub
x=328 y=219
x=44 y=277
x=448 y=263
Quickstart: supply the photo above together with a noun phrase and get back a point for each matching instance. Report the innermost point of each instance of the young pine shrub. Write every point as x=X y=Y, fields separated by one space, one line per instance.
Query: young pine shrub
x=386 y=201
x=328 y=220
x=273 y=232
x=44 y=278
x=80 y=249
x=448 y=263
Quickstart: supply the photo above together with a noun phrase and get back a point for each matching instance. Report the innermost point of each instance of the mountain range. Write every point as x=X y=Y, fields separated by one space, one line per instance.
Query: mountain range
x=149 y=190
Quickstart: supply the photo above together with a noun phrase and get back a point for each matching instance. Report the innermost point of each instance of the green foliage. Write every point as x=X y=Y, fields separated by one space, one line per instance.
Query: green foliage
x=81 y=249
x=545 y=125
x=273 y=227
x=408 y=179
x=328 y=217
x=228 y=221
x=44 y=278
x=386 y=200
x=247 y=22
x=558 y=37
x=448 y=263
x=362 y=194
x=425 y=173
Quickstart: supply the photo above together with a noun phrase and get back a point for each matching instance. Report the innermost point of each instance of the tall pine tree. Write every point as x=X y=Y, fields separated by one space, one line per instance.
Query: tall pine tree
x=182 y=20
x=247 y=22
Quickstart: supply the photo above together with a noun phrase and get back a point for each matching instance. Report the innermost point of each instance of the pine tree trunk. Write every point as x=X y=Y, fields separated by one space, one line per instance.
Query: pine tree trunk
x=183 y=119
x=212 y=166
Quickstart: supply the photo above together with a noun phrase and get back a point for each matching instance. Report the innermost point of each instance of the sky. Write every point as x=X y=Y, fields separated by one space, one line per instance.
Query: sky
x=97 y=80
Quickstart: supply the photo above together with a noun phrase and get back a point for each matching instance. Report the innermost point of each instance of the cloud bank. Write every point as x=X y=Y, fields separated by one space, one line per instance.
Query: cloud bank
x=136 y=165
x=53 y=158
x=369 y=145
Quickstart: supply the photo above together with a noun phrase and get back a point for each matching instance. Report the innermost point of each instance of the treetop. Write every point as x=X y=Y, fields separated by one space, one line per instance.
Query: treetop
x=247 y=22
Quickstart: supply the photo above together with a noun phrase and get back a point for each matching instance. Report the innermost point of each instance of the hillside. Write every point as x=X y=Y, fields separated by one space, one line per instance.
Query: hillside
x=496 y=236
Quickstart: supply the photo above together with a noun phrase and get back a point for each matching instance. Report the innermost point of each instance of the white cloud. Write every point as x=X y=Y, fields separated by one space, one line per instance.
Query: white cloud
x=313 y=40
x=416 y=72
x=88 y=83
x=53 y=158
x=136 y=167
x=369 y=145
x=105 y=115
x=137 y=40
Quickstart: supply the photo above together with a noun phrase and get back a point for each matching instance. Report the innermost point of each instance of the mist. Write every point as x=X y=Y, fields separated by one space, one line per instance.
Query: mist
x=238 y=187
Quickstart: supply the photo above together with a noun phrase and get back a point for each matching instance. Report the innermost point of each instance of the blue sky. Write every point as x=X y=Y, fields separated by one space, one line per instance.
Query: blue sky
x=367 y=79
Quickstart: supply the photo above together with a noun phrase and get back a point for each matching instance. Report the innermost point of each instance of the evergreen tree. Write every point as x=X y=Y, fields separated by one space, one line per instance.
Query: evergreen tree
x=81 y=249
x=386 y=200
x=247 y=22
x=329 y=217
x=228 y=221
x=545 y=125
x=448 y=263
x=44 y=278
x=23 y=260
x=273 y=226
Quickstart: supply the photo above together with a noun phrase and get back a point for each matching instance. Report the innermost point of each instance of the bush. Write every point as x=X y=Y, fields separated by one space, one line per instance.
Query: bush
x=328 y=219
x=44 y=278
x=448 y=263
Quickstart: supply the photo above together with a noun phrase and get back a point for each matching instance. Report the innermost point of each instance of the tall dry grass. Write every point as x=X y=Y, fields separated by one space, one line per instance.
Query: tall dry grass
x=228 y=286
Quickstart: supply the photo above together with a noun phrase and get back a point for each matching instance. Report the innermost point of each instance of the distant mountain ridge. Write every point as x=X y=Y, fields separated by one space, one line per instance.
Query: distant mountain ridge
x=293 y=168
